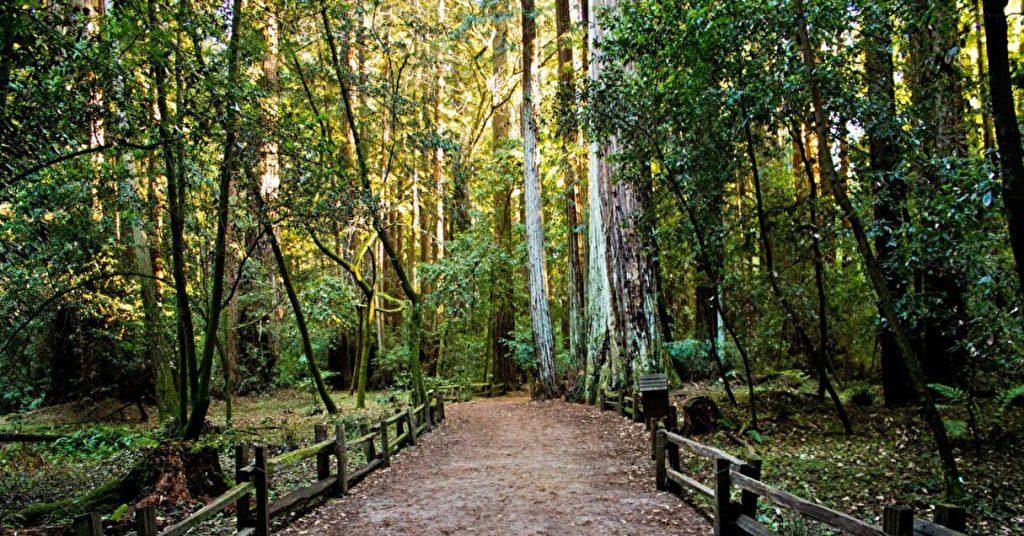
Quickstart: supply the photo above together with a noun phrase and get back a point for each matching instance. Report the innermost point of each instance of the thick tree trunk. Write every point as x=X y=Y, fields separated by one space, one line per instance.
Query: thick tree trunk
x=159 y=357
x=502 y=322
x=633 y=278
x=936 y=84
x=890 y=193
x=569 y=138
x=1011 y=161
x=540 y=314
x=601 y=350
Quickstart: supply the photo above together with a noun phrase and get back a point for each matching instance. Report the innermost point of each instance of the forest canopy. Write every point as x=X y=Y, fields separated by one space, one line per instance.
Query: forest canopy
x=202 y=201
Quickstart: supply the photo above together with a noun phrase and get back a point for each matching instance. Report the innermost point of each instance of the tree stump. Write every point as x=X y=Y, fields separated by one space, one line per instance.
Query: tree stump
x=701 y=415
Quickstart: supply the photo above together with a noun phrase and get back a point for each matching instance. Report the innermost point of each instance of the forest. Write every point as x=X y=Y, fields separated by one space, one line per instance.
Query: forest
x=226 y=222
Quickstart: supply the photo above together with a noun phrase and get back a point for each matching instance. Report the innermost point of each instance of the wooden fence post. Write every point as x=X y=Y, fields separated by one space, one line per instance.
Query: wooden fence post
x=262 y=483
x=428 y=415
x=672 y=453
x=622 y=403
x=672 y=420
x=369 y=447
x=385 y=448
x=242 y=507
x=600 y=399
x=659 y=456
x=145 y=521
x=652 y=425
x=440 y=407
x=748 y=499
x=952 y=517
x=88 y=525
x=323 y=462
x=411 y=415
x=638 y=414
x=399 y=428
x=723 y=484
x=898 y=520
x=341 y=454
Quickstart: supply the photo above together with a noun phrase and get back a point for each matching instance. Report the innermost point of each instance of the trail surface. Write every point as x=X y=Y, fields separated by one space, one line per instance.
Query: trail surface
x=511 y=466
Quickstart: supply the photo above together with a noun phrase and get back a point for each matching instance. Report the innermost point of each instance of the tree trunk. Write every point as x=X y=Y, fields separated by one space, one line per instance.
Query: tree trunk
x=937 y=96
x=293 y=298
x=201 y=398
x=502 y=322
x=569 y=138
x=890 y=193
x=1011 y=161
x=187 y=384
x=540 y=315
x=364 y=350
x=886 y=305
x=601 y=349
x=373 y=205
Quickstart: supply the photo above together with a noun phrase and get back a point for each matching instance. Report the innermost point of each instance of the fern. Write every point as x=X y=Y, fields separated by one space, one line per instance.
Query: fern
x=955 y=428
x=1009 y=396
x=952 y=395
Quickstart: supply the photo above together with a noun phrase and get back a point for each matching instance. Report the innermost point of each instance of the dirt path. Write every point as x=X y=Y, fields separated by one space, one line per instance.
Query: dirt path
x=511 y=466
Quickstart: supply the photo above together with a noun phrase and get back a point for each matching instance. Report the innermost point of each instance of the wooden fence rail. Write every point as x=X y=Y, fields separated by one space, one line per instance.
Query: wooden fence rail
x=252 y=492
x=254 y=478
x=737 y=519
x=454 y=393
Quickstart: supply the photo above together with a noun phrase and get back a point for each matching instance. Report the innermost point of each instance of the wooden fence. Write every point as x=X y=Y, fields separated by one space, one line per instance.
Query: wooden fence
x=454 y=393
x=733 y=518
x=253 y=479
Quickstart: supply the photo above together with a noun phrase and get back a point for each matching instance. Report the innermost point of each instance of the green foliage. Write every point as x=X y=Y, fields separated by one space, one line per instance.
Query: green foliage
x=693 y=354
x=97 y=442
x=1011 y=396
x=952 y=395
x=120 y=513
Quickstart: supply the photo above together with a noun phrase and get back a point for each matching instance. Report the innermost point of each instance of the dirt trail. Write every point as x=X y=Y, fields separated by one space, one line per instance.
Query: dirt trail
x=511 y=466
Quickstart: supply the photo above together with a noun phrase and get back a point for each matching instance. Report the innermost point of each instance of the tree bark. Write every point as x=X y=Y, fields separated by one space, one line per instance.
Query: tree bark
x=201 y=398
x=540 y=314
x=569 y=139
x=1011 y=160
x=502 y=322
x=601 y=350
x=890 y=193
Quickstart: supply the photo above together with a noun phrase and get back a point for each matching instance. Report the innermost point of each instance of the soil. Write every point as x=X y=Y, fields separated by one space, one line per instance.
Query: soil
x=512 y=466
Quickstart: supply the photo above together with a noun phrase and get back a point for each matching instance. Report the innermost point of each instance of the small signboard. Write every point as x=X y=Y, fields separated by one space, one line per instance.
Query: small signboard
x=654 y=393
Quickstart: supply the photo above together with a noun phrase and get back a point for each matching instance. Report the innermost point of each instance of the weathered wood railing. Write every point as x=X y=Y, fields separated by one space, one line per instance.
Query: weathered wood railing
x=734 y=519
x=456 y=392
x=253 y=513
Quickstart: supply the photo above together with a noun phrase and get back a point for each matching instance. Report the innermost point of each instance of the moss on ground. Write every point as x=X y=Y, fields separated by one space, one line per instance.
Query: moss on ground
x=45 y=481
x=889 y=459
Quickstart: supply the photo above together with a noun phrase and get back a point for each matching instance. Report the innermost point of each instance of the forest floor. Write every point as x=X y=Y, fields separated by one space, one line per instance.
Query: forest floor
x=103 y=439
x=578 y=465
x=889 y=459
x=511 y=466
